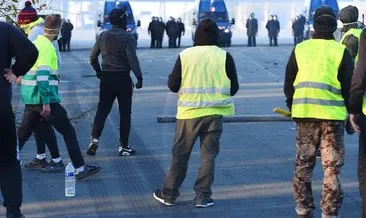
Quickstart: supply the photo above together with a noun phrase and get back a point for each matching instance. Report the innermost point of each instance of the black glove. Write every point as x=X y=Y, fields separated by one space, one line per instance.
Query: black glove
x=139 y=84
x=348 y=127
x=99 y=75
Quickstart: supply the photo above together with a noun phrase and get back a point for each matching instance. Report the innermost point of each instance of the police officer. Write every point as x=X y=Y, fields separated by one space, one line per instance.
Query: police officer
x=152 y=31
x=13 y=44
x=205 y=77
x=172 y=32
x=273 y=29
x=181 y=30
x=252 y=30
x=160 y=33
x=317 y=84
x=119 y=58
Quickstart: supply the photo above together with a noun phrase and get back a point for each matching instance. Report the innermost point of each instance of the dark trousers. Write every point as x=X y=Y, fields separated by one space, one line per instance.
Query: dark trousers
x=11 y=187
x=273 y=41
x=298 y=39
x=59 y=120
x=172 y=41
x=252 y=41
x=66 y=43
x=362 y=165
x=159 y=42
x=45 y=134
x=209 y=130
x=110 y=89
x=10 y=173
x=179 y=40
x=153 y=43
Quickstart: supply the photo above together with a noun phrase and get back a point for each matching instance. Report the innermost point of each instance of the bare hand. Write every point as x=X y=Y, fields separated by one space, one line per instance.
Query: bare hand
x=18 y=80
x=46 y=110
x=354 y=119
x=9 y=75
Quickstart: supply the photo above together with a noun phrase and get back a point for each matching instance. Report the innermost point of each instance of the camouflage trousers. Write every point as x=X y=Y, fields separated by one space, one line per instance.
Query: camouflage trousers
x=329 y=136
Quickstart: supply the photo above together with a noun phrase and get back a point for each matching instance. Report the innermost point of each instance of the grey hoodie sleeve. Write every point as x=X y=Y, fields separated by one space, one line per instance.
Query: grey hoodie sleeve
x=131 y=55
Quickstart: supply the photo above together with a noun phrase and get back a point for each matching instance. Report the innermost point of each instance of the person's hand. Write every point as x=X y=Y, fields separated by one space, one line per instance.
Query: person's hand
x=46 y=110
x=99 y=75
x=9 y=75
x=18 y=81
x=354 y=119
x=139 y=84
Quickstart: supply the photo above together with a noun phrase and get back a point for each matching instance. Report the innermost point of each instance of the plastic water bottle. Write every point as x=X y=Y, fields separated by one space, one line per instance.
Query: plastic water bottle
x=69 y=180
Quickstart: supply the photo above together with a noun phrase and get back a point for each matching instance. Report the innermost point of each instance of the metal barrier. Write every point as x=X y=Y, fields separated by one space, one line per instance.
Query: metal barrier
x=236 y=119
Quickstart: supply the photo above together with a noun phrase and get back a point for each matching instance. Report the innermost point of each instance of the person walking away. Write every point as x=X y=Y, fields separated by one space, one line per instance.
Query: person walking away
x=295 y=30
x=160 y=33
x=14 y=44
x=118 y=50
x=205 y=78
x=152 y=31
x=33 y=26
x=317 y=84
x=66 y=32
x=172 y=32
x=252 y=30
x=40 y=95
x=181 y=30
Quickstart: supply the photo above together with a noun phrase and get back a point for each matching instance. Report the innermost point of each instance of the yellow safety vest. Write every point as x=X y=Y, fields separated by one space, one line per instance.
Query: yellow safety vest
x=205 y=87
x=356 y=33
x=317 y=90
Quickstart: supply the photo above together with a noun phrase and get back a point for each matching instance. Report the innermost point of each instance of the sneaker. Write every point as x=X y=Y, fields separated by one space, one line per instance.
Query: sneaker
x=53 y=167
x=88 y=171
x=92 y=148
x=126 y=151
x=205 y=203
x=36 y=164
x=318 y=154
x=158 y=195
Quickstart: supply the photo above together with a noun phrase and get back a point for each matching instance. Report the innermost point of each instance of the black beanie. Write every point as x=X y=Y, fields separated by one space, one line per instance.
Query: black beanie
x=348 y=14
x=207 y=33
x=118 y=17
x=325 y=20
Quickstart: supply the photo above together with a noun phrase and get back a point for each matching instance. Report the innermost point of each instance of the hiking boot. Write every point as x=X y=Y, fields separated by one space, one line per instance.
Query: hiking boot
x=36 y=164
x=126 y=151
x=92 y=148
x=204 y=203
x=88 y=171
x=53 y=167
x=158 y=195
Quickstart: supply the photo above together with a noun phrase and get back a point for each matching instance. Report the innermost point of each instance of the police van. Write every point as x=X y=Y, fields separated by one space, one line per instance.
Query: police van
x=216 y=10
x=104 y=23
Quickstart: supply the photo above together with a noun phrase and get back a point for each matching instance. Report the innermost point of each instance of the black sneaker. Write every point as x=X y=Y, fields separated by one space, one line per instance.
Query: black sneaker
x=126 y=151
x=204 y=203
x=318 y=154
x=54 y=167
x=36 y=164
x=88 y=171
x=158 y=195
x=92 y=148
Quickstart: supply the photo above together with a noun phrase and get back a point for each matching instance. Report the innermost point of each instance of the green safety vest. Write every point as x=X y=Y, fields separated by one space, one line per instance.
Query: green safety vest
x=205 y=87
x=40 y=84
x=317 y=90
x=355 y=32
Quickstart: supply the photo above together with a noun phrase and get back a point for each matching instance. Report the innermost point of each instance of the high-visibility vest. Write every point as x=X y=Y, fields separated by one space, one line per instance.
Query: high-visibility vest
x=317 y=90
x=205 y=87
x=40 y=84
x=356 y=33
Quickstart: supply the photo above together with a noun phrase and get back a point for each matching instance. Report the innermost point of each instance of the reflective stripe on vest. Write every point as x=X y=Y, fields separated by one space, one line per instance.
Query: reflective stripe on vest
x=356 y=33
x=205 y=87
x=317 y=90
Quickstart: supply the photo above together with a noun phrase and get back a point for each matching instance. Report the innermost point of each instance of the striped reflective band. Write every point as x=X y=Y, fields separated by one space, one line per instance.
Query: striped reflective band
x=34 y=72
x=34 y=83
x=317 y=85
x=224 y=91
x=206 y=103
x=42 y=78
x=318 y=102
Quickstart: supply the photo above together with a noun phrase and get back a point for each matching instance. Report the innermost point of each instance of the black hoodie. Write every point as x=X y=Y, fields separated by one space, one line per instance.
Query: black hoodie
x=207 y=33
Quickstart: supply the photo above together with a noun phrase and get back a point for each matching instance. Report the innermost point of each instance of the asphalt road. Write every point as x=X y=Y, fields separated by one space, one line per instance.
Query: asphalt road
x=253 y=171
